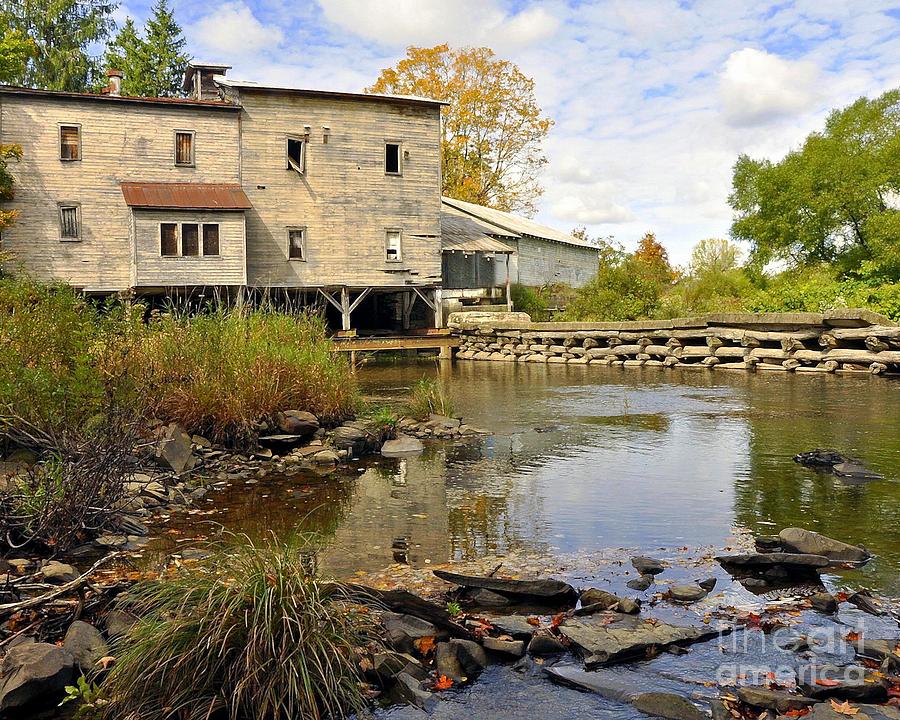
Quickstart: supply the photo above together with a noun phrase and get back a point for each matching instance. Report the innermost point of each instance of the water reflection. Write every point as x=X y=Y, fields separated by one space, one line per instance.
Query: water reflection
x=587 y=458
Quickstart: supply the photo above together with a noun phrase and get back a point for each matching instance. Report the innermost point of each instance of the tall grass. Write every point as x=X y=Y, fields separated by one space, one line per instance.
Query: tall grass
x=430 y=396
x=219 y=374
x=251 y=633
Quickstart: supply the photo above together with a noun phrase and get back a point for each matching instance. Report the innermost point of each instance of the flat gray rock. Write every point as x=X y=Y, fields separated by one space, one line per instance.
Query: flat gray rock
x=690 y=592
x=778 y=700
x=798 y=540
x=668 y=705
x=824 y=711
x=515 y=625
x=604 y=683
x=854 y=682
x=627 y=637
x=546 y=591
x=402 y=445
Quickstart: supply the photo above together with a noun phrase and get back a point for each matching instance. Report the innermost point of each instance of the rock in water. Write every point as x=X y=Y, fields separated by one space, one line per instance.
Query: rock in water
x=402 y=631
x=855 y=682
x=34 y=673
x=667 y=705
x=516 y=648
x=544 y=644
x=402 y=445
x=601 y=642
x=58 y=573
x=641 y=583
x=687 y=593
x=297 y=422
x=826 y=711
x=459 y=660
x=608 y=601
x=647 y=565
x=86 y=645
x=766 y=699
x=824 y=602
x=833 y=461
x=548 y=592
x=174 y=450
x=798 y=540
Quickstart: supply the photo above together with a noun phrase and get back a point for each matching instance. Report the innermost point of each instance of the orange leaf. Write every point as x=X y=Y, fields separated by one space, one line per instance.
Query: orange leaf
x=851 y=636
x=533 y=621
x=106 y=661
x=844 y=708
x=797 y=712
x=443 y=683
x=827 y=682
x=558 y=619
x=424 y=644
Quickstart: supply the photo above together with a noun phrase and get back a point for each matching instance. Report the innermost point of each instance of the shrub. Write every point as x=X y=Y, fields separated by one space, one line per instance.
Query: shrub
x=430 y=396
x=251 y=633
x=530 y=300
x=219 y=374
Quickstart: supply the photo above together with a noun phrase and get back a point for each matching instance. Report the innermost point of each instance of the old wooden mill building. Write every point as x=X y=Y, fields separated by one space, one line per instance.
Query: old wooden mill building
x=324 y=196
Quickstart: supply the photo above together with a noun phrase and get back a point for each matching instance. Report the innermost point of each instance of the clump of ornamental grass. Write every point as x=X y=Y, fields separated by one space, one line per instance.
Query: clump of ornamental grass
x=251 y=633
x=430 y=396
x=220 y=373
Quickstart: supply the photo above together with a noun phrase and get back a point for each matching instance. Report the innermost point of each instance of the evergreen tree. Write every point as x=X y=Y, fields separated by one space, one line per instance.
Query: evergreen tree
x=62 y=31
x=153 y=61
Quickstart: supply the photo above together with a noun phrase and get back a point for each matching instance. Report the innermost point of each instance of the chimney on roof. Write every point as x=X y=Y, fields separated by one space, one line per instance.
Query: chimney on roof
x=114 y=86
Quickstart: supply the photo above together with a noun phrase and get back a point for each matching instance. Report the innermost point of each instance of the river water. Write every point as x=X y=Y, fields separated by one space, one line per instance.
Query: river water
x=589 y=458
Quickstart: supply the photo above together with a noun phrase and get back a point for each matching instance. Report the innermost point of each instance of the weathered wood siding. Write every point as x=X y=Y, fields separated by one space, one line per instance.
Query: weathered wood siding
x=153 y=270
x=344 y=199
x=119 y=142
x=539 y=262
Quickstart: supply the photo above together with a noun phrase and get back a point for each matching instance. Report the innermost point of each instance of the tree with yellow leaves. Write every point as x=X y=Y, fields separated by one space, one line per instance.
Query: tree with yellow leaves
x=492 y=130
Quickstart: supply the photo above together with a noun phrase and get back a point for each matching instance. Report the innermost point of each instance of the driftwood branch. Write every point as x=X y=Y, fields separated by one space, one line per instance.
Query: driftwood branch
x=61 y=590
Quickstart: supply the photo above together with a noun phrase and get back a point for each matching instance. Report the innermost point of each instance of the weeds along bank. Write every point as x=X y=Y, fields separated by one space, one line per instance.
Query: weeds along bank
x=64 y=359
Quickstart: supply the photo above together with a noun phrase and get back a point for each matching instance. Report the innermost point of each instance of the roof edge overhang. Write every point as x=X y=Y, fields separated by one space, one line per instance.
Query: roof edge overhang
x=119 y=99
x=185 y=196
x=247 y=86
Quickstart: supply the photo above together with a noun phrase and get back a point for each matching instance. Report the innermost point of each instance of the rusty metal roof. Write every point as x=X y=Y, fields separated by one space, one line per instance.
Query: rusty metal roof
x=125 y=99
x=185 y=196
x=466 y=234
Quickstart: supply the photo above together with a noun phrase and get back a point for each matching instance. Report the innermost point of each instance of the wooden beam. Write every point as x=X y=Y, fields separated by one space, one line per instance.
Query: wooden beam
x=327 y=295
x=372 y=344
x=345 y=308
x=424 y=299
x=362 y=296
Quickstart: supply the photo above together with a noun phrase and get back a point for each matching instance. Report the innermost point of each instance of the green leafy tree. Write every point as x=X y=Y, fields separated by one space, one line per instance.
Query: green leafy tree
x=153 y=61
x=15 y=50
x=63 y=33
x=833 y=200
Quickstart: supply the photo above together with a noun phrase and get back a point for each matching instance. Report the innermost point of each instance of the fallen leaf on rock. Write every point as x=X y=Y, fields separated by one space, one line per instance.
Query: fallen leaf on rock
x=424 y=645
x=844 y=708
x=827 y=682
x=797 y=712
x=852 y=636
x=533 y=621
x=443 y=683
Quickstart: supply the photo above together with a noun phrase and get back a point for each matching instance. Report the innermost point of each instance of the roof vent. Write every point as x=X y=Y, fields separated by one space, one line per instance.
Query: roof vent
x=198 y=80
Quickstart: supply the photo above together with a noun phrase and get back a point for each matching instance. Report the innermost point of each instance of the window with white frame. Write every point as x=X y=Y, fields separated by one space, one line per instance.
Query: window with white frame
x=69 y=221
x=184 y=148
x=295 y=154
x=70 y=142
x=393 y=251
x=296 y=243
x=393 y=161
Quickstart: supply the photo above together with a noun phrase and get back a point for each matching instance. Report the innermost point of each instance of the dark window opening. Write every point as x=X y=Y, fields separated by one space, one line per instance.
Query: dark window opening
x=190 y=239
x=296 y=155
x=168 y=237
x=68 y=222
x=392 y=246
x=210 y=240
x=392 y=158
x=184 y=148
x=69 y=142
x=295 y=244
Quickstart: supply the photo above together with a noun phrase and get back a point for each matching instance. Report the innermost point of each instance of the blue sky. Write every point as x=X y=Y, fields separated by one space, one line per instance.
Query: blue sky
x=652 y=99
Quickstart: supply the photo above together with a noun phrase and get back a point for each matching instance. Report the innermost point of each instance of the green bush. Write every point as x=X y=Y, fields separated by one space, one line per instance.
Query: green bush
x=530 y=300
x=251 y=633
x=218 y=374
x=430 y=396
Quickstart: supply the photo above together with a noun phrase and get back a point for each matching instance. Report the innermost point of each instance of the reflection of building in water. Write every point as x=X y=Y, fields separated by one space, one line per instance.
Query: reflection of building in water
x=398 y=505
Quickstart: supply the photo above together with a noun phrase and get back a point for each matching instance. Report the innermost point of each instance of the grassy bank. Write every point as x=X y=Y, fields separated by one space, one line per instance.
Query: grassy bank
x=64 y=358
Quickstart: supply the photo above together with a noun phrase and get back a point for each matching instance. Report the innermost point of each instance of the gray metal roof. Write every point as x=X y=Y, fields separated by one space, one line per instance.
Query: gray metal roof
x=460 y=233
x=251 y=85
x=507 y=222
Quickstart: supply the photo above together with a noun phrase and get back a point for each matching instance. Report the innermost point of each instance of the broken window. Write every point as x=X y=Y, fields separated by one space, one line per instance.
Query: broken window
x=297 y=243
x=392 y=250
x=68 y=222
x=392 y=164
x=70 y=142
x=184 y=147
x=190 y=239
x=168 y=239
x=210 y=239
x=296 y=154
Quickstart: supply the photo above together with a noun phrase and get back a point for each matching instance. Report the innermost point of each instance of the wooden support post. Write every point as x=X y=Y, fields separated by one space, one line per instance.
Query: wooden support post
x=438 y=309
x=509 y=306
x=345 y=308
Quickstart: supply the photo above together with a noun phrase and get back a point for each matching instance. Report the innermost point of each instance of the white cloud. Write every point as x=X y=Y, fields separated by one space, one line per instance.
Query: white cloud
x=429 y=22
x=233 y=30
x=757 y=87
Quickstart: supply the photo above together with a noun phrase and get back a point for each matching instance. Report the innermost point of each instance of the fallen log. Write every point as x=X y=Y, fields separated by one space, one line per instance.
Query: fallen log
x=545 y=591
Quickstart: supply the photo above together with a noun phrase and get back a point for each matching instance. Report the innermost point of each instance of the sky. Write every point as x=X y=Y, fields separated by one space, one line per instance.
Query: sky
x=653 y=100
